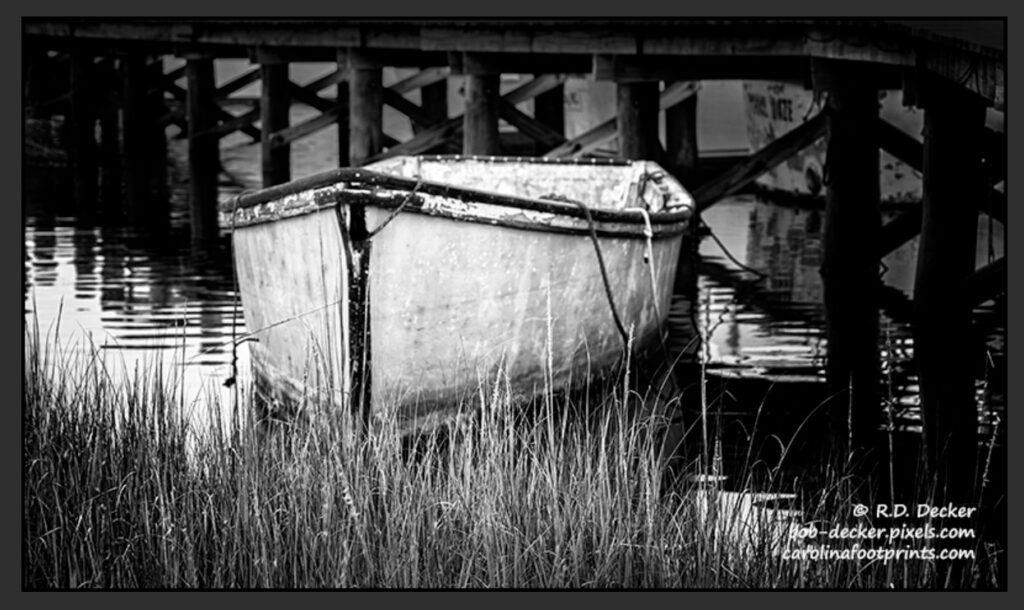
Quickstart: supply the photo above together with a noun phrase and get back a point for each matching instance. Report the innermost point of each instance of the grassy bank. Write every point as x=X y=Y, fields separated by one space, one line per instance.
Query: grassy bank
x=120 y=490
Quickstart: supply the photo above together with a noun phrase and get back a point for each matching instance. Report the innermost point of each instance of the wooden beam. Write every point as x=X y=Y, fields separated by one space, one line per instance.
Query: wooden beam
x=309 y=127
x=325 y=81
x=423 y=78
x=523 y=63
x=363 y=57
x=309 y=98
x=480 y=122
x=638 y=120
x=236 y=123
x=768 y=157
x=535 y=87
x=168 y=79
x=275 y=103
x=545 y=136
x=419 y=118
x=365 y=114
x=899 y=231
x=987 y=283
x=203 y=149
x=633 y=68
x=586 y=142
x=238 y=83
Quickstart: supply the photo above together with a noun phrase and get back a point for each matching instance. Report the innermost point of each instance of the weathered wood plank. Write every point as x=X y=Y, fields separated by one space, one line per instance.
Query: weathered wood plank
x=363 y=57
x=534 y=87
x=638 y=120
x=423 y=78
x=771 y=155
x=203 y=149
x=309 y=127
x=238 y=83
x=941 y=321
x=366 y=137
x=309 y=98
x=168 y=79
x=632 y=68
x=899 y=231
x=586 y=142
x=544 y=135
x=899 y=144
x=275 y=102
x=525 y=63
x=681 y=139
x=326 y=81
x=419 y=118
x=480 y=121
x=849 y=271
x=988 y=282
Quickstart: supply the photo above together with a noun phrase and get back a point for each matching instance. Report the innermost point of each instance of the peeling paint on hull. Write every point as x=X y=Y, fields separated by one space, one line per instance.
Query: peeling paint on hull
x=465 y=280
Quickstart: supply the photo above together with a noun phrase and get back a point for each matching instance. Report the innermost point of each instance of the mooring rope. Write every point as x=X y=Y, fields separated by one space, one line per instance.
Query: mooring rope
x=604 y=275
x=394 y=213
x=232 y=381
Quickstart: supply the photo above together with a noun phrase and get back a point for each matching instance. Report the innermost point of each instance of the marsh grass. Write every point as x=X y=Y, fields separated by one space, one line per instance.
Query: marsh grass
x=122 y=491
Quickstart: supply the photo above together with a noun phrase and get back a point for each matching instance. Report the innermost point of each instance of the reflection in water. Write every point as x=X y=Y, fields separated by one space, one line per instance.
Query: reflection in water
x=141 y=298
x=762 y=304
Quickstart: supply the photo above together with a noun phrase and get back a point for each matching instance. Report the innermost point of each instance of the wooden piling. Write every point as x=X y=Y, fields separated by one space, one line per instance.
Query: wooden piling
x=638 y=120
x=366 y=104
x=275 y=102
x=952 y=182
x=480 y=122
x=343 y=102
x=158 y=210
x=549 y=109
x=108 y=106
x=434 y=101
x=681 y=139
x=203 y=148
x=136 y=118
x=82 y=125
x=850 y=271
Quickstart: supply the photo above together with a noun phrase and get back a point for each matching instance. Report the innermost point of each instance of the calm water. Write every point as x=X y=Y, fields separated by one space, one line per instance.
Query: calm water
x=144 y=297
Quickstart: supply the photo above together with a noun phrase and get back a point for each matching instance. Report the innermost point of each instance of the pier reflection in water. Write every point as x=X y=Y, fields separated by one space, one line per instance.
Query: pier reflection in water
x=760 y=304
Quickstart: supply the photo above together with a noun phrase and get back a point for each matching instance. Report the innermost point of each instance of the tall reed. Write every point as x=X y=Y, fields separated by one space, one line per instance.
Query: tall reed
x=122 y=491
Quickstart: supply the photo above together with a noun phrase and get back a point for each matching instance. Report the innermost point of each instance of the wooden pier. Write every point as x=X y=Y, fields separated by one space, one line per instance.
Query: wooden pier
x=952 y=72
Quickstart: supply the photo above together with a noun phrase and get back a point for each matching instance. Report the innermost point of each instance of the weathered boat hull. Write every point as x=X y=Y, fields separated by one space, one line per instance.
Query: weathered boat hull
x=458 y=292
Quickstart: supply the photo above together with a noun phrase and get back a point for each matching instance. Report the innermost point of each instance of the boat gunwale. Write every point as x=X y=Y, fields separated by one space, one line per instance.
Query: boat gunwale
x=360 y=176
